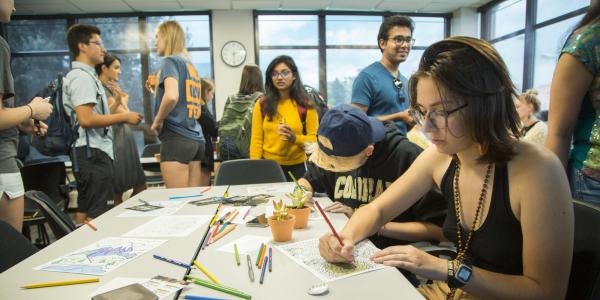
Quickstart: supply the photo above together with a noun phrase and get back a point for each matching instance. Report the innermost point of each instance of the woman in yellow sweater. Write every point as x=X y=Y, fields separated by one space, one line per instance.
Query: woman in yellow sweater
x=283 y=120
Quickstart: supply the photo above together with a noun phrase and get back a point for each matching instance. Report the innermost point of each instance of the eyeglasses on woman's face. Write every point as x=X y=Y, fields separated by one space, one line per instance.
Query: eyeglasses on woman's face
x=283 y=74
x=437 y=118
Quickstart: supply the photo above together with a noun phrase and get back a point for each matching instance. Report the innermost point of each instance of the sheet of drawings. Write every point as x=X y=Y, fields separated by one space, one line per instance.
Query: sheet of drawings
x=169 y=226
x=276 y=189
x=161 y=286
x=169 y=207
x=306 y=253
x=101 y=257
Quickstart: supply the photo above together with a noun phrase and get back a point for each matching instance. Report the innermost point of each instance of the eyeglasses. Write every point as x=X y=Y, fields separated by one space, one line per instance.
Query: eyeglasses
x=283 y=74
x=99 y=43
x=398 y=84
x=398 y=40
x=437 y=118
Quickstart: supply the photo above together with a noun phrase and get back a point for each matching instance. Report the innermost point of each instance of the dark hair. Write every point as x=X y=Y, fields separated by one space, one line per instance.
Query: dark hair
x=109 y=59
x=391 y=22
x=471 y=71
x=297 y=92
x=592 y=14
x=80 y=33
x=252 y=80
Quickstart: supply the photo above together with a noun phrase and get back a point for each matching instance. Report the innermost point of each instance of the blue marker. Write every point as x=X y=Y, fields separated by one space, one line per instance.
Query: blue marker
x=262 y=271
x=172 y=261
x=270 y=259
x=191 y=297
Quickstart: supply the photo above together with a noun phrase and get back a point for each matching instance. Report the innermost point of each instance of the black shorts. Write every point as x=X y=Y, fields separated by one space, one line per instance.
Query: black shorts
x=94 y=182
x=175 y=147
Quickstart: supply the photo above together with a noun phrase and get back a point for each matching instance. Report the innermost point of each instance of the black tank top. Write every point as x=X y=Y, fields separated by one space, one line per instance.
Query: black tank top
x=497 y=245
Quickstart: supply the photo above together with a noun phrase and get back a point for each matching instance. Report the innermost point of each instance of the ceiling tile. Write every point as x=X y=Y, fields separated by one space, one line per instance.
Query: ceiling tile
x=205 y=4
x=153 y=5
x=256 y=4
x=307 y=4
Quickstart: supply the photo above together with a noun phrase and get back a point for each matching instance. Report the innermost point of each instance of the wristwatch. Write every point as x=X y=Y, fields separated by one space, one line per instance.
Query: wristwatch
x=460 y=276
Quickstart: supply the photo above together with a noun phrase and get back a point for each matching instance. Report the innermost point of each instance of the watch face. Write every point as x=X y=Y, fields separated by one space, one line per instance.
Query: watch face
x=464 y=274
x=233 y=53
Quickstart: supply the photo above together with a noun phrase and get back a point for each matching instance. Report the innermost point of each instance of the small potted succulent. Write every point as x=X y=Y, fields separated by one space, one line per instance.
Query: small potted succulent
x=299 y=208
x=281 y=222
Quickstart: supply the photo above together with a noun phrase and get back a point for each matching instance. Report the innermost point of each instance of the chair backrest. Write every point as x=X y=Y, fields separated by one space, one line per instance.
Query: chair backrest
x=14 y=247
x=49 y=178
x=60 y=223
x=584 y=282
x=150 y=150
x=249 y=171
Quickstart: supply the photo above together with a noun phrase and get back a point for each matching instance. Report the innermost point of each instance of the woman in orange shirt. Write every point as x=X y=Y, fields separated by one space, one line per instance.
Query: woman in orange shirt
x=283 y=121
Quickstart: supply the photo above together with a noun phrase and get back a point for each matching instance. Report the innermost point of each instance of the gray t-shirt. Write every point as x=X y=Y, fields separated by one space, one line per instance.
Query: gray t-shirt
x=81 y=86
x=182 y=120
x=8 y=137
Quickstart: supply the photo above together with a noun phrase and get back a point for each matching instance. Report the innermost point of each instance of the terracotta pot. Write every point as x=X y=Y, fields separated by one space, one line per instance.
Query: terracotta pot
x=282 y=230
x=301 y=216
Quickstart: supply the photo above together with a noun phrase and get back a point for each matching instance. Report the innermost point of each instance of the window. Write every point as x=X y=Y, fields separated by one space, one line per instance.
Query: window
x=349 y=45
x=531 y=50
x=42 y=44
x=507 y=17
x=547 y=53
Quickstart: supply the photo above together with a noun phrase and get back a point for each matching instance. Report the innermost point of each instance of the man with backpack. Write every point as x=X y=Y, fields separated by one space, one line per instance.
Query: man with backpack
x=85 y=100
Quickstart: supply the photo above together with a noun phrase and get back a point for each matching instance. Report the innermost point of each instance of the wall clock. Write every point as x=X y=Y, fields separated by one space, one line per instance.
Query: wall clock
x=233 y=53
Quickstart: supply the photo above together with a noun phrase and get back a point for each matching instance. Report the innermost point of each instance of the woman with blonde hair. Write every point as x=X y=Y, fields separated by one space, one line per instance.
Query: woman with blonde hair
x=177 y=109
x=532 y=129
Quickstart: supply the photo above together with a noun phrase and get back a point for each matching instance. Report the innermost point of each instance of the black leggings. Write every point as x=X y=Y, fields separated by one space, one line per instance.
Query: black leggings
x=298 y=171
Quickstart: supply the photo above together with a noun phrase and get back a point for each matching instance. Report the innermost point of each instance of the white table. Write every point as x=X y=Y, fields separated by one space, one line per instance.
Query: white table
x=143 y=161
x=287 y=281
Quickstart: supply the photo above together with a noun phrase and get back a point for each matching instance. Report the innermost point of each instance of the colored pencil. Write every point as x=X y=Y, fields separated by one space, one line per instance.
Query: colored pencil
x=172 y=261
x=226 y=194
x=262 y=256
x=270 y=259
x=186 y=196
x=205 y=190
x=262 y=272
x=237 y=254
x=205 y=271
x=329 y=223
x=219 y=287
x=192 y=297
x=89 y=224
x=215 y=215
x=246 y=214
x=259 y=252
x=59 y=283
x=250 y=270
x=217 y=237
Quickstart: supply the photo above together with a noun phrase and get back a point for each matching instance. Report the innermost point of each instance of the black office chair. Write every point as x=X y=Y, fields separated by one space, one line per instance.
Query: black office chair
x=14 y=247
x=249 y=171
x=48 y=177
x=152 y=171
x=60 y=223
x=584 y=282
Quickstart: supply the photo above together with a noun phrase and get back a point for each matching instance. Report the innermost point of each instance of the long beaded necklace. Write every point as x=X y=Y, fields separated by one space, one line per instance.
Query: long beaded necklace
x=462 y=249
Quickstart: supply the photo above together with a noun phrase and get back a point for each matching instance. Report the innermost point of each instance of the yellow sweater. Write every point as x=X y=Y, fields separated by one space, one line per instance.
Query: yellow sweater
x=266 y=142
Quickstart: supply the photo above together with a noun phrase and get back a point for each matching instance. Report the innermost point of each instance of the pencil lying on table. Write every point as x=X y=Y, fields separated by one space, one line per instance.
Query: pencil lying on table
x=221 y=234
x=59 y=283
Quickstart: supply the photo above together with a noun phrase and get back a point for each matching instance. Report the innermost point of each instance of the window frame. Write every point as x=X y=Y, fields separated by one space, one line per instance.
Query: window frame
x=322 y=46
x=529 y=32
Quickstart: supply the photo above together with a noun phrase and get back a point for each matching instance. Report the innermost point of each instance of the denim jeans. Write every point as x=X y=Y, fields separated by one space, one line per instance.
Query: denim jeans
x=583 y=187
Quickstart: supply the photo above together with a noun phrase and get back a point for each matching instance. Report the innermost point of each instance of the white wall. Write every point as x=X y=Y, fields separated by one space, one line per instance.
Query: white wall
x=465 y=21
x=230 y=25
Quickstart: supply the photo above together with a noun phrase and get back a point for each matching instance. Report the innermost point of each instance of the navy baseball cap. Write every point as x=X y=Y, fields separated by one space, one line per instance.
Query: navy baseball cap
x=344 y=132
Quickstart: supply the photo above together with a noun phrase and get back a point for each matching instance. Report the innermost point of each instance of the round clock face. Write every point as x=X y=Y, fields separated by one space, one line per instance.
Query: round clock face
x=233 y=53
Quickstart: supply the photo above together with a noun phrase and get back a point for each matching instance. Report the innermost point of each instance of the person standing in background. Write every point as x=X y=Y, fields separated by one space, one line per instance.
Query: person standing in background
x=177 y=110
x=11 y=118
x=574 y=114
x=283 y=120
x=128 y=171
x=380 y=89
x=210 y=130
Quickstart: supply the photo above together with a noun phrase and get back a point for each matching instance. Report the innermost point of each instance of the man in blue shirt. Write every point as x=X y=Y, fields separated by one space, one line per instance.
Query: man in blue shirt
x=380 y=90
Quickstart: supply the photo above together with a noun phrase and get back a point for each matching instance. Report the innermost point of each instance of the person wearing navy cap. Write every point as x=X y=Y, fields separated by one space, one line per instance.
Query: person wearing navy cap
x=357 y=157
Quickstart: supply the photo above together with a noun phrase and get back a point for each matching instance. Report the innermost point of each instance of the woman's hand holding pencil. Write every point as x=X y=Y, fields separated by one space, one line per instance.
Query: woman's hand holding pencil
x=332 y=251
